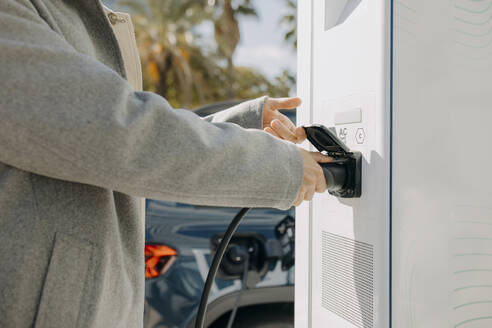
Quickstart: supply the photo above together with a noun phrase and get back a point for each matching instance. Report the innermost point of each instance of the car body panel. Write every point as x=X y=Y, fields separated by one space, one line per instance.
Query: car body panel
x=173 y=297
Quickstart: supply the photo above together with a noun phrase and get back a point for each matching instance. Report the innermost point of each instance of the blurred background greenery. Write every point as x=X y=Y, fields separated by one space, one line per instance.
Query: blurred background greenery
x=191 y=65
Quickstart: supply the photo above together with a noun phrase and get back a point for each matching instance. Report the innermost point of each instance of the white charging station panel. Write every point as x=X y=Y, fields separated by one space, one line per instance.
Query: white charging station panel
x=409 y=85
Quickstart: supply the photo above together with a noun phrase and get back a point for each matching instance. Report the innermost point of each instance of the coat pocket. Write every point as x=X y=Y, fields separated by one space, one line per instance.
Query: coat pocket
x=65 y=283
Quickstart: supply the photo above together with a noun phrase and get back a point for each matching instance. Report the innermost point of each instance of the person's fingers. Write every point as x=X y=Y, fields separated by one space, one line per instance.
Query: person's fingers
x=313 y=176
x=320 y=158
x=308 y=195
x=285 y=103
x=299 y=199
x=290 y=103
x=321 y=185
x=320 y=182
x=288 y=123
x=300 y=134
x=271 y=131
x=281 y=130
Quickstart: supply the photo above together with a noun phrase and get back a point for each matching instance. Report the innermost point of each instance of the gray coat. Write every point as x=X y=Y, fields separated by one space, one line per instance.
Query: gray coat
x=78 y=144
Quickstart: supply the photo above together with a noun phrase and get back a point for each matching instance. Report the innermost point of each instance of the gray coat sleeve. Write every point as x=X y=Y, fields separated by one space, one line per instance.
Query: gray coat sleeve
x=67 y=116
x=248 y=114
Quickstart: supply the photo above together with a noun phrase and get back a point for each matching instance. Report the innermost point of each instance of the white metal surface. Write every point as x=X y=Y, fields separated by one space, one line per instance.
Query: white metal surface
x=349 y=69
x=440 y=271
x=442 y=200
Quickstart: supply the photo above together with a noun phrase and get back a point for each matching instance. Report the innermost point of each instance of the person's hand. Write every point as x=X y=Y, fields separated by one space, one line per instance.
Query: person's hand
x=313 y=179
x=278 y=124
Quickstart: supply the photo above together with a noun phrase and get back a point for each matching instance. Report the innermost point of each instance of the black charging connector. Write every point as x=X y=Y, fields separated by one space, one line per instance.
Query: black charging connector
x=344 y=174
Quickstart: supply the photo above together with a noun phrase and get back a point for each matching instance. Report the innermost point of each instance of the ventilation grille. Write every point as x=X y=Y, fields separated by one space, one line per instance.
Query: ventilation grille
x=347 y=279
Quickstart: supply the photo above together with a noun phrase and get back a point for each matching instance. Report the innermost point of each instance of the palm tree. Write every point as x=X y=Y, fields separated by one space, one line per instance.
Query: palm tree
x=175 y=66
x=289 y=21
x=178 y=67
x=227 y=33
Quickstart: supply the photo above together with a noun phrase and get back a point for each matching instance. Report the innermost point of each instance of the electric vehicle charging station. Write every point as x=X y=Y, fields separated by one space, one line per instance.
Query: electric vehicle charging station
x=408 y=84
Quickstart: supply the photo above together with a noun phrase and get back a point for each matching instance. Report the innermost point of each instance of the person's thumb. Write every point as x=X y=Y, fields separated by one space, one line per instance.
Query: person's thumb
x=286 y=103
x=320 y=158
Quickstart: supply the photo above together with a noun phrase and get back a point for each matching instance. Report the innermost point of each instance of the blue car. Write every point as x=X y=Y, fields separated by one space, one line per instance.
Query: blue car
x=258 y=266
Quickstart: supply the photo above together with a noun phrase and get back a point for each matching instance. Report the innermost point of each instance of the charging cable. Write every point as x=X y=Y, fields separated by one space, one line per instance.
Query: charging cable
x=243 y=287
x=202 y=309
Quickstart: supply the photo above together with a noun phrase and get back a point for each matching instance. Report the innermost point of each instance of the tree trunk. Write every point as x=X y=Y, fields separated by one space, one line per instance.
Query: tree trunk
x=164 y=71
x=231 y=94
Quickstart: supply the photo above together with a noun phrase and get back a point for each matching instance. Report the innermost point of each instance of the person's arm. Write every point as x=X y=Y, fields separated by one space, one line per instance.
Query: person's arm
x=248 y=114
x=67 y=116
x=263 y=113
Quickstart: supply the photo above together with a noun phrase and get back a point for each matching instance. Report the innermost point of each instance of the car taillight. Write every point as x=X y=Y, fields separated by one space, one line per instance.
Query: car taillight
x=158 y=259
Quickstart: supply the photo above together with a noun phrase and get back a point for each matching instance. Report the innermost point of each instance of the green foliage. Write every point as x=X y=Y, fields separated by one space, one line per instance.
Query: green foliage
x=289 y=22
x=185 y=73
x=251 y=84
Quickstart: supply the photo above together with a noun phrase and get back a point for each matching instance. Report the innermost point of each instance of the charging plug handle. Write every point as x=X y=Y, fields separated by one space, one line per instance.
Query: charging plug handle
x=343 y=175
x=335 y=176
